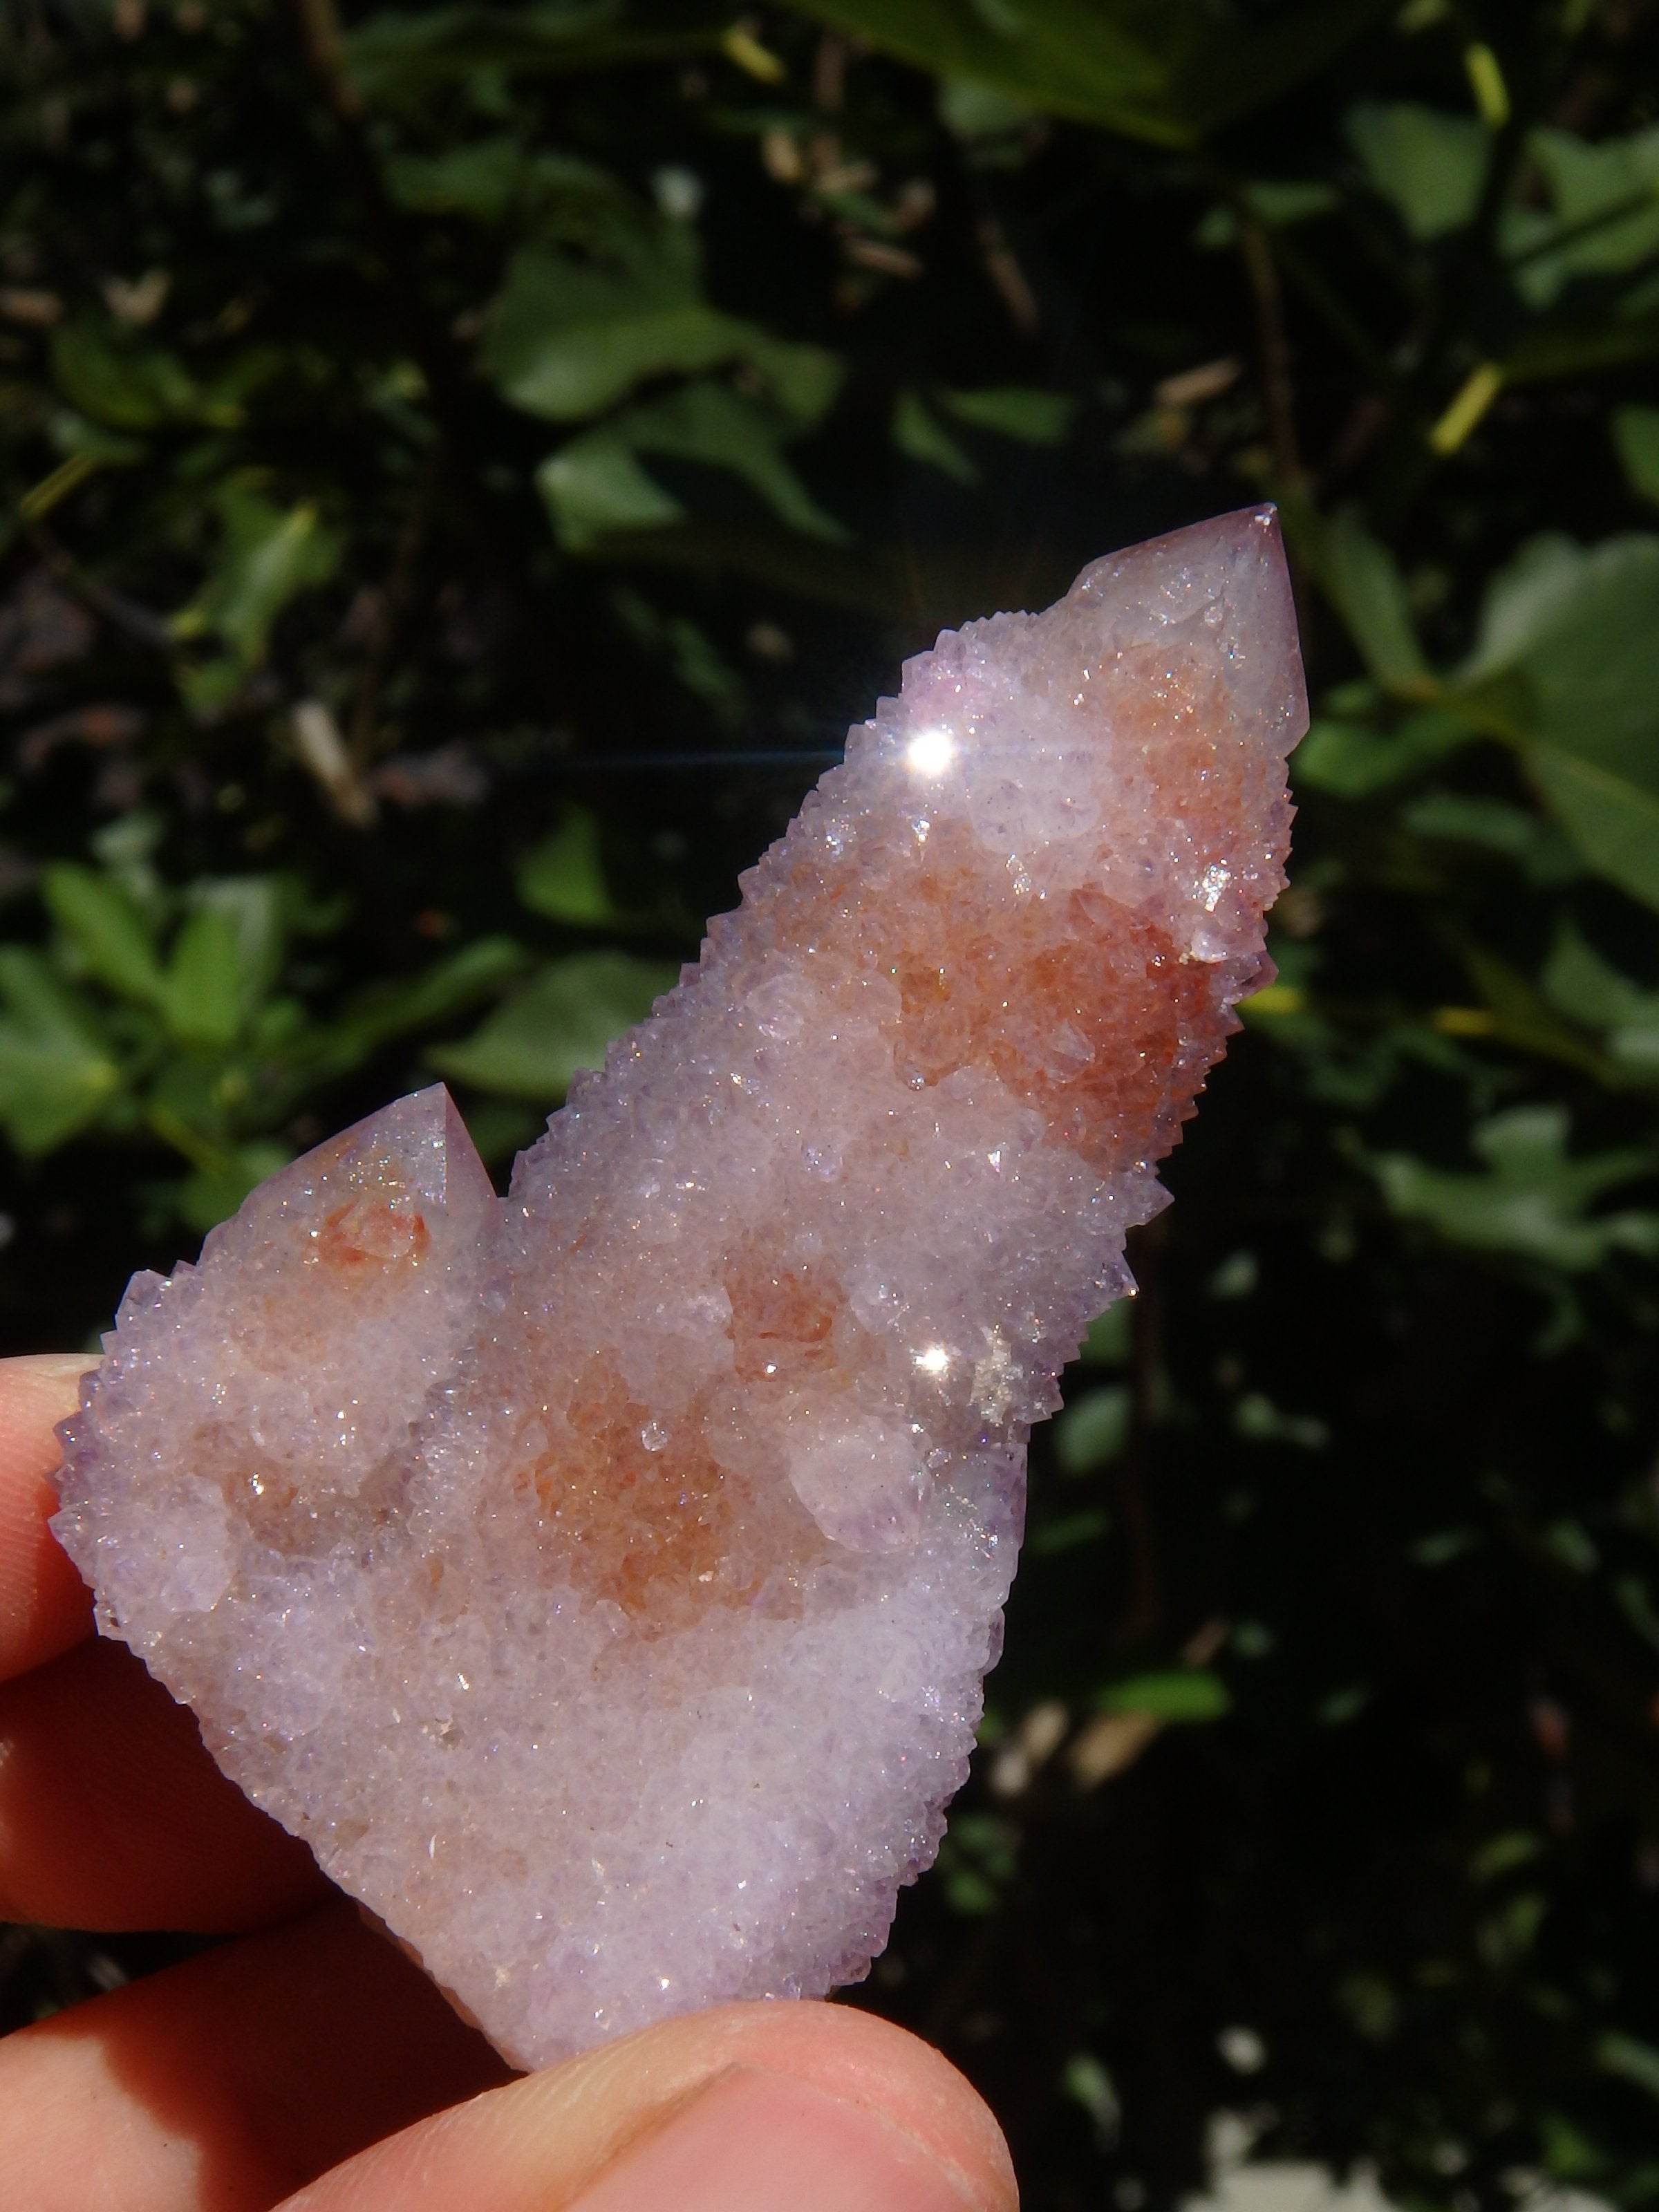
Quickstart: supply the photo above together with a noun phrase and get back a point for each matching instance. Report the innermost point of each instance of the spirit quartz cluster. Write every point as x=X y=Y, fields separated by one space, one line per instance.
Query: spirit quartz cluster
x=601 y=1579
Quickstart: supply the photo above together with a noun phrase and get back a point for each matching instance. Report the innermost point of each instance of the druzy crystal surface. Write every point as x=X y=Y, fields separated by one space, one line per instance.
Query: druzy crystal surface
x=601 y=1579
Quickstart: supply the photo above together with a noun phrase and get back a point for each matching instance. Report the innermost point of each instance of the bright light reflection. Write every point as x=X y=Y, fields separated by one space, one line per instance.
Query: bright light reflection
x=934 y=1360
x=930 y=752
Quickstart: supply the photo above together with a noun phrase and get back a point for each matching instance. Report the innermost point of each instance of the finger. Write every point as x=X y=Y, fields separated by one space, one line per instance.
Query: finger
x=231 y=2080
x=112 y=1815
x=44 y=1606
x=737 y=2110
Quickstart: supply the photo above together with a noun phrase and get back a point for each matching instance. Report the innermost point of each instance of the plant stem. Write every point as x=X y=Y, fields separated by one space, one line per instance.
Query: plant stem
x=1273 y=346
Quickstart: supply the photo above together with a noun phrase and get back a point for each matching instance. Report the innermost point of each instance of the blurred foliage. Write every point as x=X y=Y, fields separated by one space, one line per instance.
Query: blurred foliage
x=462 y=466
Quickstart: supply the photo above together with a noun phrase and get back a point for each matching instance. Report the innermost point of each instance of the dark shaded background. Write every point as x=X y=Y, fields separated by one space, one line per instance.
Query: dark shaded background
x=464 y=466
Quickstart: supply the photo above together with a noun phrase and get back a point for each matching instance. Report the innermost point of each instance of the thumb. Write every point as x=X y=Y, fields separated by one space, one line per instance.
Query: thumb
x=746 y=2108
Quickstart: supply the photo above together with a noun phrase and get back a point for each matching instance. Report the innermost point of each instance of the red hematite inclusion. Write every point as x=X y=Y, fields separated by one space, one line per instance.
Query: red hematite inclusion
x=601 y=1579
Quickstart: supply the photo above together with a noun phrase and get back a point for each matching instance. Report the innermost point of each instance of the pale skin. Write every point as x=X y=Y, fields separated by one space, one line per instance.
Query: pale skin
x=305 y=2062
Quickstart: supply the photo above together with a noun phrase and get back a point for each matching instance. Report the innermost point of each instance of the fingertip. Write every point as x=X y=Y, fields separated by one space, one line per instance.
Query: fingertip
x=228 y=2080
x=752 y=2137
x=865 y=2062
x=747 y=2102
x=44 y=1606
x=112 y=1815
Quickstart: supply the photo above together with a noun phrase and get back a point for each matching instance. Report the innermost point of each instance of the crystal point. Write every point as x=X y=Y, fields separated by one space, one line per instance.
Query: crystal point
x=601 y=1580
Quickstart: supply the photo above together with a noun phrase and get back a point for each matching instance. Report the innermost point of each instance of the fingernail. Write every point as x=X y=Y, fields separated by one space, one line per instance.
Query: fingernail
x=756 y=2142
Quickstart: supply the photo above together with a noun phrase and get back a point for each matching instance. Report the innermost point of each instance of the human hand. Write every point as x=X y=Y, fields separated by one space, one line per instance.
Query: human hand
x=308 y=2055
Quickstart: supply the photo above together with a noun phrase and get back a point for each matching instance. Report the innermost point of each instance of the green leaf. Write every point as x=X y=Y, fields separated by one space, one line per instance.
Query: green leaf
x=534 y=1043
x=569 y=338
x=1094 y=62
x=1181 y=1694
x=1164 y=70
x=1237 y=66
x=1107 y=1342
x=119 y=382
x=1607 y=194
x=267 y=556
x=1502 y=1854
x=1034 y=418
x=919 y=437
x=1540 y=587
x=1613 y=823
x=1279 y=202
x=711 y=423
x=1255 y=1416
x=1636 y=437
x=202 y=992
x=1048 y=1539
x=258 y=911
x=1343 y=1705
x=696 y=661
x=1522 y=1016
x=1631 y=2061
x=595 y=485
x=563 y=877
x=73 y=433
x=1534 y=1200
x=1094 y=1429
x=572 y=373
x=1517 y=832
x=1583 y=345
x=1506 y=1937
x=967 y=1891
x=802 y=380
x=387 y=1010
x=398 y=56
x=484 y=181
x=1637 y=1608
x=1567 y=665
x=106 y=933
x=210 y=1195
x=1590 y=991
x=1363 y=581
x=1444 y=1545
x=1429 y=167
x=55 y=1076
x=977 y=113
x=207 y=687
x=1352 y=759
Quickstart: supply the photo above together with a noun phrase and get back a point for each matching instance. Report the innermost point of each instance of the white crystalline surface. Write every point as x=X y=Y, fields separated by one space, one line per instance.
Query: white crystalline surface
x=601 y=1579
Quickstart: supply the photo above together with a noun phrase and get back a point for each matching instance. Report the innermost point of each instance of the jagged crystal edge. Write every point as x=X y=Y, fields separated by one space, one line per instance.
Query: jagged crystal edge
x=601 y=1580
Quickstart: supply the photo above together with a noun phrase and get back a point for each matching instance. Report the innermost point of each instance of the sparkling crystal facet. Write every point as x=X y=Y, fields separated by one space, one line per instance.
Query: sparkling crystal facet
x=601 y=1579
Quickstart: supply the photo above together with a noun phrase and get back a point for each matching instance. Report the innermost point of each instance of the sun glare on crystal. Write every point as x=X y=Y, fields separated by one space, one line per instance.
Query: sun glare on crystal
x=930 y=752
x=653 y=1505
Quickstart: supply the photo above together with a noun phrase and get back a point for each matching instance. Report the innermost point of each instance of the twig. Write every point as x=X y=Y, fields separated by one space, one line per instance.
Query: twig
x=1465 y=277
x=1272 y=347
x=1144 y=1607
x=323 y=45
x=398 y=599
x=139 y=622
x=317 y=23
x=1345 y=328
x=322 y=752
x=1371 y=415
x=1008 y=279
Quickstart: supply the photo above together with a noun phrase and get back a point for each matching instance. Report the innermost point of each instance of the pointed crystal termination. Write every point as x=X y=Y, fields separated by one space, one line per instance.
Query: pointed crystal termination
x=601 y=1580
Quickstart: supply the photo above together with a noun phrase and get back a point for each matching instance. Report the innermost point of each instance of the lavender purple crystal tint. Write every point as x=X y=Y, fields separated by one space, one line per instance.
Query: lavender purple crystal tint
x=601 y=1579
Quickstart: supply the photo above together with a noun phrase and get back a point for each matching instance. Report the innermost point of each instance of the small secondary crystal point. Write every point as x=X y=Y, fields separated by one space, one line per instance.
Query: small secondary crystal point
x=601 y=1580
